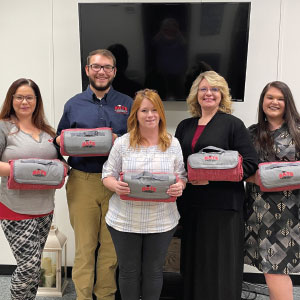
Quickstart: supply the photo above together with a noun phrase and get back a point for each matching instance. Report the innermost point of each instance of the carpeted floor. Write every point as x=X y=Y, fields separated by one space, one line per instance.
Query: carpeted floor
x=71 y=295
x=5 y=293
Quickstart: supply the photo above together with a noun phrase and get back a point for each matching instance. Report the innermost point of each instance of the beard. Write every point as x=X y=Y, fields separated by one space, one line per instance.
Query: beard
x=101 y=87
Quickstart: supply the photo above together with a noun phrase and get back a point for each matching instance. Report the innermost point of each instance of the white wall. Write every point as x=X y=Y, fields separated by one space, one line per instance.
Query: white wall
x=40 y=40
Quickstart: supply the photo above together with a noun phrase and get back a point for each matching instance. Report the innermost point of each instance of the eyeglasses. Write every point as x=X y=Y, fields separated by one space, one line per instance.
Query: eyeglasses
x=97 y=68
x=20 y=98
x=213 y=90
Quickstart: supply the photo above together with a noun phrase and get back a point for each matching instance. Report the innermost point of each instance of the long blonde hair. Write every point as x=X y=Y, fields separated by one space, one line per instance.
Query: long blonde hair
x=215 y=80
x=135 y=138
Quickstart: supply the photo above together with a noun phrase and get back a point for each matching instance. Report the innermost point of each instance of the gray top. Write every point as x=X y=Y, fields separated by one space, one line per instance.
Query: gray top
x=16 y=144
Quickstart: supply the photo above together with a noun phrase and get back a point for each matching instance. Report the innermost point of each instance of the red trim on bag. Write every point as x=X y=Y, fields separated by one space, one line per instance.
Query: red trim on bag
x=126 y=197
x=62 y=149
x=13 y=185
x=282 y=188
x=233 y=174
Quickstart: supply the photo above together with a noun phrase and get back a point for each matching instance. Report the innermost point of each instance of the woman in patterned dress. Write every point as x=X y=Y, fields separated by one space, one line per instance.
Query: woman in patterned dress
x=272 y=226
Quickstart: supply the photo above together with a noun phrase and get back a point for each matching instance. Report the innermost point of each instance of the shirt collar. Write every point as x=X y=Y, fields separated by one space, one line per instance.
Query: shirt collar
x=94 y=98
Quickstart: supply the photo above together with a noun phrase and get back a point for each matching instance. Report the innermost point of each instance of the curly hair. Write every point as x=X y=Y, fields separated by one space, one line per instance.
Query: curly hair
x=215 y=80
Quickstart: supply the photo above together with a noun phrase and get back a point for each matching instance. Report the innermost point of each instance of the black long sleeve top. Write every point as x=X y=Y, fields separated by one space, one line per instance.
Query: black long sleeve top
x=229 y=133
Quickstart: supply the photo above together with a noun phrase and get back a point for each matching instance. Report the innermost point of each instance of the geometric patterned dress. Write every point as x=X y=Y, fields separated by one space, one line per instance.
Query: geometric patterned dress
x=272 y=230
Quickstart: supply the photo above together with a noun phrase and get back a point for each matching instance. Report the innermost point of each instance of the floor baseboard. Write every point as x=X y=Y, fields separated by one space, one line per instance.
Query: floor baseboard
x=9 y=269
x=259 y=278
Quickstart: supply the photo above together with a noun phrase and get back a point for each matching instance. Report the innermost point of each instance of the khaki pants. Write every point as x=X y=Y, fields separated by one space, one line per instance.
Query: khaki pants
x=88 y=203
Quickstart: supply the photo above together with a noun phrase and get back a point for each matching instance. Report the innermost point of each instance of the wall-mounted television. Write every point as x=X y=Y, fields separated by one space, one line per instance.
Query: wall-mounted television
x=164 y=46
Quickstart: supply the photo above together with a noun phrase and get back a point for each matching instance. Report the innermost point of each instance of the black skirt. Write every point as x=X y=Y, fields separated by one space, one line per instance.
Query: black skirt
x=212 y=254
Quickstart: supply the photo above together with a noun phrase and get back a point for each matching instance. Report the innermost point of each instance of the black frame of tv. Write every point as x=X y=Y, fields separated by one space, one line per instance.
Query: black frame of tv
x=164 y=46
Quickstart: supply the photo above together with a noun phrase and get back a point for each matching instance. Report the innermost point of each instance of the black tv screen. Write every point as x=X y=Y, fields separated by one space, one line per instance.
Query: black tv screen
x=164 y=46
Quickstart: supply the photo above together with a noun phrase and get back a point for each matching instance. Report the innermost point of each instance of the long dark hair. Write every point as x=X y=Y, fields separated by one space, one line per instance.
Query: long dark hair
x=291 y=117
x=38 y=117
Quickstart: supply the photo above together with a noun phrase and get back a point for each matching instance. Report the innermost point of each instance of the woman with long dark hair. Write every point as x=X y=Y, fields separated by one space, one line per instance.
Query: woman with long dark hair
x=25 y=215
x=272 y=227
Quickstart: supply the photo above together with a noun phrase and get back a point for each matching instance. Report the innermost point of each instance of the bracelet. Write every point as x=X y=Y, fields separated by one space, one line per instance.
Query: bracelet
x=54 y=141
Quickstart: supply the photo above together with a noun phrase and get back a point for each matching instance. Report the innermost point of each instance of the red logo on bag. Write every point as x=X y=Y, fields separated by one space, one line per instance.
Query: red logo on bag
x=211 y=157
x=149 y=189
x=39 y=173
x=88 y=144
x=286 y=175
x=121 y=109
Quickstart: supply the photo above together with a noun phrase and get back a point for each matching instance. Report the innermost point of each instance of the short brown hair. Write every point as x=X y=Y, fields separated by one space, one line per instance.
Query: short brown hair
x=103 y=52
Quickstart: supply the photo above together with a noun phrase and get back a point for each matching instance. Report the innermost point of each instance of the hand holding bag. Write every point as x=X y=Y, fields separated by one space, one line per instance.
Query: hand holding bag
x=86 y=141
x=36 y=174
x=279 y=176
x=215 y=164
x=146 y=186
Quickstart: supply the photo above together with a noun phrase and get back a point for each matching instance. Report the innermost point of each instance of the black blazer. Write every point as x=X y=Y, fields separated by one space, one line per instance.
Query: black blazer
x=227 y=132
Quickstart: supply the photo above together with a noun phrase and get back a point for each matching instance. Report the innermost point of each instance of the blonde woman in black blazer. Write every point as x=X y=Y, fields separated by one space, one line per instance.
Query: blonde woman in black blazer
x=212 y=212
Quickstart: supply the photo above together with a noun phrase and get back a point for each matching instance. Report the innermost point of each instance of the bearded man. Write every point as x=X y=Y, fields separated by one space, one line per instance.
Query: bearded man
x=98 y=106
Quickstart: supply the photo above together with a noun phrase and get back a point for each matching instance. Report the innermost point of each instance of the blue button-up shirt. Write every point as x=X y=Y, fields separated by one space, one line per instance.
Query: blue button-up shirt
x=85 y=110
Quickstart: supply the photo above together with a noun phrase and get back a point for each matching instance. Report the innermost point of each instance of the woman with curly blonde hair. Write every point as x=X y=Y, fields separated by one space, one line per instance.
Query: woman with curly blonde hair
x=212 y=212
x=215 y=80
